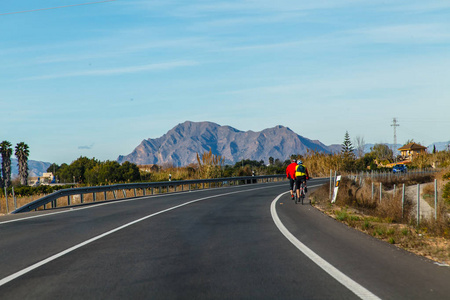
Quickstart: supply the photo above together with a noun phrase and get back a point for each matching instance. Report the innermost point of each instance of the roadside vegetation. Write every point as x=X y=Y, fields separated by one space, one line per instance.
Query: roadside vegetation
x=388 y=219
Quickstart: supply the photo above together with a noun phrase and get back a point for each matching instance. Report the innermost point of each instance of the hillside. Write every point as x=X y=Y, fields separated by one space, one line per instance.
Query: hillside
x=180 y=145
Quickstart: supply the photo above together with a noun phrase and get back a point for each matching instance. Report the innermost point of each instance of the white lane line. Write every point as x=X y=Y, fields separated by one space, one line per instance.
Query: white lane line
x=349 y=283
x=52 y=258
x=94 y=205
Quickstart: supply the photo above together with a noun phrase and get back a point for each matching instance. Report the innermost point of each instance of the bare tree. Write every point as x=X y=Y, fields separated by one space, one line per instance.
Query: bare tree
x=360 y=146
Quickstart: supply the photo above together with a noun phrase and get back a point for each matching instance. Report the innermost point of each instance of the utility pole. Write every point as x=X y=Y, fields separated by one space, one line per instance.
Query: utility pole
x=395 y=125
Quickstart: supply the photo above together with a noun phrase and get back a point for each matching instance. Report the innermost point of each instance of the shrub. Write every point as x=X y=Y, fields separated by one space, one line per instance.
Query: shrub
x=446 y=193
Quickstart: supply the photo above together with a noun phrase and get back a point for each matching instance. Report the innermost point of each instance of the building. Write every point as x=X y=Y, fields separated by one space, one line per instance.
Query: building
x=410 y=150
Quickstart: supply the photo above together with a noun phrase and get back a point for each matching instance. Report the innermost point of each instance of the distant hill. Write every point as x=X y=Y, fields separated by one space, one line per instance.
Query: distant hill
x=180 y=145
x=35 y=168
x=440 y=146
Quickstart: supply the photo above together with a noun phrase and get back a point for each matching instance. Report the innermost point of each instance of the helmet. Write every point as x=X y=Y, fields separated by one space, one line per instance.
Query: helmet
x=299 y=162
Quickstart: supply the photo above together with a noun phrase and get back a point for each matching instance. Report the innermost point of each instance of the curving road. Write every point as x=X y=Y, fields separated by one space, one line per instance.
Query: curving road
x=246 y=242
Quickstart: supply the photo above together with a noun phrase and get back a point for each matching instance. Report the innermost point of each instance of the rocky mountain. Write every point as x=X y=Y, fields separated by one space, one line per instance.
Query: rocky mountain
x=181 y=144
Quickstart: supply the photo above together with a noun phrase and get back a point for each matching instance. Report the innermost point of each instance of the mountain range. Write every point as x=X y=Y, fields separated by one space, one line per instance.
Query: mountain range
x=180 y=145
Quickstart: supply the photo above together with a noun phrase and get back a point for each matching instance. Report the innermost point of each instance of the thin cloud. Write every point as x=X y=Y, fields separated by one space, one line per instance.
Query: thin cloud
x=86 y=147
x=406 y=33
x=120 y=71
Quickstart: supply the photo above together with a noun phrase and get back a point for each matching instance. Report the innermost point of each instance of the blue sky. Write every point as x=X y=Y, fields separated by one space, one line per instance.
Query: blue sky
x=95 y=80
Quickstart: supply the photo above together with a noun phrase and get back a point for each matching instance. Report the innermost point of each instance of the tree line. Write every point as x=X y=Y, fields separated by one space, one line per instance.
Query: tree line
x=21 y=152
x=90 y=171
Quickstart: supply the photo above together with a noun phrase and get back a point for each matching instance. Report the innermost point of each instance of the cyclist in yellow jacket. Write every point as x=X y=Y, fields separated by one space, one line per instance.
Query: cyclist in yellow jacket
x=301 y=174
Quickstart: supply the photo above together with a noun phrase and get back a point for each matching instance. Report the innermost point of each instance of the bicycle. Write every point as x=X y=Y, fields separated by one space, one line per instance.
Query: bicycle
x=302 y=193
x=294 y=191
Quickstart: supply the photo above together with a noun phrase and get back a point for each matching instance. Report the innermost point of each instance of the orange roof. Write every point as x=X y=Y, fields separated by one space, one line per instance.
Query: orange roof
x=412 y=146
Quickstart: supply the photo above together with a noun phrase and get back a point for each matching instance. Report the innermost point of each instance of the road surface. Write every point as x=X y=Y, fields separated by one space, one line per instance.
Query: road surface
x=245 y=242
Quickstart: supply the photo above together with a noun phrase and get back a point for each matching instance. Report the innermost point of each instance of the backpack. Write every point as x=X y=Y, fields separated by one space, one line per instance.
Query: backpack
x=300 y=169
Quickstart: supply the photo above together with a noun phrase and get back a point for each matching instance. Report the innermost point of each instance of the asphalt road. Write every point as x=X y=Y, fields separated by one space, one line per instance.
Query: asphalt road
x=246 y=242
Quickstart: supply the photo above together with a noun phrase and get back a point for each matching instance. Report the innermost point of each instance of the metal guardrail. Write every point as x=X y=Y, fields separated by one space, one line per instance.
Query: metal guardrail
x=52 y=198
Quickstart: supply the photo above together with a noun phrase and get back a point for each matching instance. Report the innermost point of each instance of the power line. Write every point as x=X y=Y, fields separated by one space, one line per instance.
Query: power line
x=48 y=8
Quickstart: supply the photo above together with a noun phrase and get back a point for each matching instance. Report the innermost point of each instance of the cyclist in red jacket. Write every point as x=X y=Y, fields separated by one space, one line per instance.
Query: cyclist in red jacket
x=290 y=174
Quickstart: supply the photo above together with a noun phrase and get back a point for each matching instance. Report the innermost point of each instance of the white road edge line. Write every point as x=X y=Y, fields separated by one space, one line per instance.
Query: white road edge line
x=53 y=257
x=109 y=202
x=349 y=283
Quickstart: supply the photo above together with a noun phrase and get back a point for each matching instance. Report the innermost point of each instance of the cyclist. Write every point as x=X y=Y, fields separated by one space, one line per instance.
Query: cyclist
x=290 y=174
x=301 y=174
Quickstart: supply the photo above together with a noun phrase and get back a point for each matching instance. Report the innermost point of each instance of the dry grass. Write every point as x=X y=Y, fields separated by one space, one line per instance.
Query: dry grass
x=383 y=220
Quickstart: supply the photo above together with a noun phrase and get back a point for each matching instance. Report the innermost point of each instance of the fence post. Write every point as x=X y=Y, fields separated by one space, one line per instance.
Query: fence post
x=381 y=190
x=418 y=204
x=435 y=199
x=403 y=199
x=373 y=191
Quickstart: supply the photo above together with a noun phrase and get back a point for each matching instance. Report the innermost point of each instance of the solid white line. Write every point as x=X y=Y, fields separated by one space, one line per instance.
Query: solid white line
x=52 y=258
x=97 y=204
x=349 y=283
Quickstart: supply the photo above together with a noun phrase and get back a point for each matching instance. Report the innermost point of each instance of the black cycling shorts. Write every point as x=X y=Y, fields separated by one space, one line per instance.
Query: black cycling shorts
x=298 y=180
x=291 y=183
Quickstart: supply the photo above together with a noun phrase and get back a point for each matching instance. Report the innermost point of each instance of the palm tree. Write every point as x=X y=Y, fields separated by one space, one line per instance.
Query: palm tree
x=6 y=151
x=22 y=154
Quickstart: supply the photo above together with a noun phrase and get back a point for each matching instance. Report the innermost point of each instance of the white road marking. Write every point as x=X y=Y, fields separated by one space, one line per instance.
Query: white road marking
x=94 y=205
x=349 y=283
x=62 y=253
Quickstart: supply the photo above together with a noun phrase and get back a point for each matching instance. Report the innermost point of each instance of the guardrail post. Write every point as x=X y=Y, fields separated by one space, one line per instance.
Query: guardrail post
x=331 y=182
x=82 y=198
x=160 y=190
x=124 y=193
x=6 y=196
x=14 y=197
x=104 y=195
x=68 y=200
x=94 y=197
x=144 y=191
x=114 y=193
x=135 y=193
